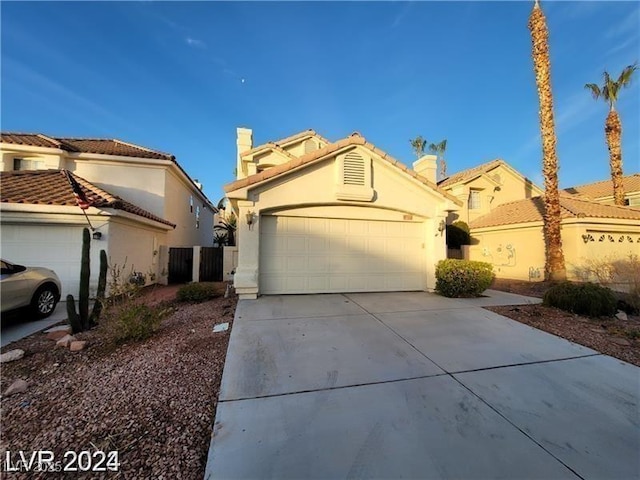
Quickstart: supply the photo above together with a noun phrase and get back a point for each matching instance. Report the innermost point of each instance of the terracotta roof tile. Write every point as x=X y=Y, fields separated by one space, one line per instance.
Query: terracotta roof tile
x=101 y=146
x=604 y=188
x=531 y=210
x=50 y=187
x=470 y=173
x=352 y=140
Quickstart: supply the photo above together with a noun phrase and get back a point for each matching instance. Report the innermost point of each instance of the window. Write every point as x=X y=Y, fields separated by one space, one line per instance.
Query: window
x=191 y=203
x=474 y=200
x=26 y=164
x=197 y=217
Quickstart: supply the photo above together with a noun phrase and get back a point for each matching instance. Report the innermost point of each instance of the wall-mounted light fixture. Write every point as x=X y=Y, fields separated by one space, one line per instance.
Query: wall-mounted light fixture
x=250 y=219
x=97 y=235
x=442 y=226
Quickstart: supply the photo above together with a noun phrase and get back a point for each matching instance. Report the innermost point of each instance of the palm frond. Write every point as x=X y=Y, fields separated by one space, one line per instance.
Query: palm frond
x=624 y=80
x=595 y=90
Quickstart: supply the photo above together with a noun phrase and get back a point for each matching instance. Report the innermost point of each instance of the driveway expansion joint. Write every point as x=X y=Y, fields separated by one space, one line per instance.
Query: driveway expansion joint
x=536 y=362
x=340 y=387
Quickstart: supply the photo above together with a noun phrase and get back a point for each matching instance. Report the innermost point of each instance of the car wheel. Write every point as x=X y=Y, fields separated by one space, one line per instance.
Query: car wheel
x=44 y=301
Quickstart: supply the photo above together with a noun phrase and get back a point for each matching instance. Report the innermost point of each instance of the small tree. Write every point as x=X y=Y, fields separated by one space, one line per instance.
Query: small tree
x=438 y=149
x=228 y=228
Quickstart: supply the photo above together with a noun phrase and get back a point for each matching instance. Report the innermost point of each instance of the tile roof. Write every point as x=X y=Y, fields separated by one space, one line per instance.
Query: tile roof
x=103 y=146
x=50 y=187
x=352 y=140
x=470 y=173
x=605 y=188
x=284 y=141
x=531 y=210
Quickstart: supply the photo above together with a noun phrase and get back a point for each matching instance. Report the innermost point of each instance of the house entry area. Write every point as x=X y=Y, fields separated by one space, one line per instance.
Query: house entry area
x=333 y=255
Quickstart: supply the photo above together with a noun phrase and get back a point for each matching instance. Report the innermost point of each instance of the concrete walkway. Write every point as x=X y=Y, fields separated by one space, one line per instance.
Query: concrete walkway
x=413 y=385
x=20 y=324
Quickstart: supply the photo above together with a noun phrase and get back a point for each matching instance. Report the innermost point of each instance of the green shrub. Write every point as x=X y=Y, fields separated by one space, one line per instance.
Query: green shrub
x=197 y=292
x=133 y=322
x=463 y=278
x=458 y=234
x=582 y=298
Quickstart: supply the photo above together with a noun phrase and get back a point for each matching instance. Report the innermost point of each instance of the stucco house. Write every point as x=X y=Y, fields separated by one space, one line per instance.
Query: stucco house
x=484 y=187
x=316 y=216
x=146 y=203
x=511 y=237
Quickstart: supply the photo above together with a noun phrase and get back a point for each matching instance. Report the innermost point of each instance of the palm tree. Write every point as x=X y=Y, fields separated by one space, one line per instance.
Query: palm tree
x=228 y=229
x=554 y=265
x=418 y=144
x=438 y=149
x=613 y=126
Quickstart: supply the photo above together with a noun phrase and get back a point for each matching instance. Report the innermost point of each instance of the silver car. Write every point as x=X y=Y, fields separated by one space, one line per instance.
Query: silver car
x=34 y=287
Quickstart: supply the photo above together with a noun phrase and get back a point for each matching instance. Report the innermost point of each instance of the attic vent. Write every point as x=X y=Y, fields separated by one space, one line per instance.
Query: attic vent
x=309 y=146
x=353 y=173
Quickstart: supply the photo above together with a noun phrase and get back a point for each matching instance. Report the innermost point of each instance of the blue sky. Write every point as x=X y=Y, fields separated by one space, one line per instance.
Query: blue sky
x=181 y=76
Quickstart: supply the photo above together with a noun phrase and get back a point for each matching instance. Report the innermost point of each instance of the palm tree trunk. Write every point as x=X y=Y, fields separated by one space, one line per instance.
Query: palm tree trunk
x=613 y=132
x=554 y=265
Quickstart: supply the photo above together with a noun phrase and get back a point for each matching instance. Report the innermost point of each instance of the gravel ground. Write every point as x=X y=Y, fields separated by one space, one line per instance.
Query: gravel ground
x=618 y=338
x=154 y=402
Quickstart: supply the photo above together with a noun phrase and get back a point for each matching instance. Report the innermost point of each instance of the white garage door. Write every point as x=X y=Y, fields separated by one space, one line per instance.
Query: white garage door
x=55 y=247
x=327 y=255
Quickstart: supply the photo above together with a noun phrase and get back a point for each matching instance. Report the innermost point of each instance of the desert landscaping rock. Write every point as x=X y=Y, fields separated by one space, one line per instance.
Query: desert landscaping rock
x=621 y=341
x=65 y=341
x=11 y=356
x=622 y=316
x=59 y=328
x=57 y=335
x=77 y=345
x=18 y=386
x=152 y=401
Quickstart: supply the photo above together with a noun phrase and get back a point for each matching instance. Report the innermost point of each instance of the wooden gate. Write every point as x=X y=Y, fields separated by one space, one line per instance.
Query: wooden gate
x=180 y=265
x=211 y=264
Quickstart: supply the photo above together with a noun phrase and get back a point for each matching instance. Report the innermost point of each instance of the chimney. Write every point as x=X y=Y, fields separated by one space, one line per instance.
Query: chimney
x=244 y=141
x=427 y=167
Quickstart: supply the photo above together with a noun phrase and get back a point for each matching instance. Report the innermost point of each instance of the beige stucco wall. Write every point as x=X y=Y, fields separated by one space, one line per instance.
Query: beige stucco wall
x=141 y=184
x=179 y=212
x=135 y=248
x=511 y=187
x=517 y=252
x=311 y=191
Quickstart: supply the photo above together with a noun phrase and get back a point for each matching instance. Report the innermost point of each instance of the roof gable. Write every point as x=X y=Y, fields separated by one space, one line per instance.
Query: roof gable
x=470 y=174
x=286 y=142
x=323 y=153
x=50 y=187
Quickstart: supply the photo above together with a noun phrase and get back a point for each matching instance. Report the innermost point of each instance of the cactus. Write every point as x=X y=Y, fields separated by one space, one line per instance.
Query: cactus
x=81 y=320
x=102 y=286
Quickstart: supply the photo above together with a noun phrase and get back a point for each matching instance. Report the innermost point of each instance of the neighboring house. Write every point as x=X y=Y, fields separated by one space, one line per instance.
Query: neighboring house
x=165 y=207
x=150 y=179
x=483 y=188
x=324 y=217
x=511 y=236
x=602 y=192
x=42 y=226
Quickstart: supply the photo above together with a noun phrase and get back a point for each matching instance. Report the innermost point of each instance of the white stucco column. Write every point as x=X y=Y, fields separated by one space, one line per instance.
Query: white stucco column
x=246 y=276
x=437 y=244
x=195 y=268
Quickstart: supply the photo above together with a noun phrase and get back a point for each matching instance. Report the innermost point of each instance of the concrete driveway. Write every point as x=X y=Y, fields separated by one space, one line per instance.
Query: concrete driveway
x=413 y=385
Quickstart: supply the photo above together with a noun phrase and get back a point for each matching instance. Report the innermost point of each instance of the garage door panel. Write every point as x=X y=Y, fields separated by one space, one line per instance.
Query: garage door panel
x=323 y=255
